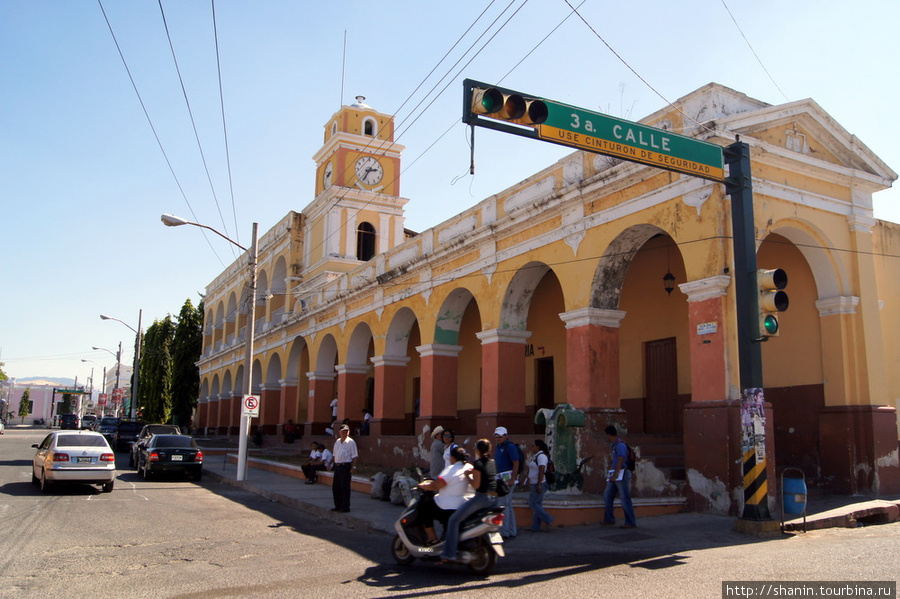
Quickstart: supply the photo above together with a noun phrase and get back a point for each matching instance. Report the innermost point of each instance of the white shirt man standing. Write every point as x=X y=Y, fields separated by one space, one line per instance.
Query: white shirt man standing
x=345 y=456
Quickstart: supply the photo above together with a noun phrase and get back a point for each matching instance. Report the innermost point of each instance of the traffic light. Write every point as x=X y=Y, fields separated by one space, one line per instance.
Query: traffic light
x=507 y=105
x=772 y=300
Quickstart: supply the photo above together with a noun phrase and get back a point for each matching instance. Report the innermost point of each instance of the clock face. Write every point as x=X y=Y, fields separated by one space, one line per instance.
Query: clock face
x=369 y=171
x=326 y=178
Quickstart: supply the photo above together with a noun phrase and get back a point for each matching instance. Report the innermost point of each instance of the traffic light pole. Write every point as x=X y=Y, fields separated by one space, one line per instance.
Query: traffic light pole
x=526 y=115
x=739 y=186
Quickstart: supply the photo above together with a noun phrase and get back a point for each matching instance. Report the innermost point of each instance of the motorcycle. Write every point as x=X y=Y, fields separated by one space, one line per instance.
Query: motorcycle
x=480 y=543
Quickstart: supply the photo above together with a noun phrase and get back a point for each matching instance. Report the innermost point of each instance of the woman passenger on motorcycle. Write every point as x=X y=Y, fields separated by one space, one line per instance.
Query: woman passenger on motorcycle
x=453 y=490
x=483 y=478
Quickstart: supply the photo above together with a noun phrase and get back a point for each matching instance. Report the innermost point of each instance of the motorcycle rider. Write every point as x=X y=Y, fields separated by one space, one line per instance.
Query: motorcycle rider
x=453 y=490
x=483 y=477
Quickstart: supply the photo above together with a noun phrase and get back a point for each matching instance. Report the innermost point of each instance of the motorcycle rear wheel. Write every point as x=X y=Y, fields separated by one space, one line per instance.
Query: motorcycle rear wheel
x=484 y=558
x=400 y=552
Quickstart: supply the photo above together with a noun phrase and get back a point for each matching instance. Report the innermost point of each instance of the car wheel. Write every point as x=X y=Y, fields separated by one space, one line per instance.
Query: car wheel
x=46 y=485
x=146 y=472
x=34 y=479
x=197 y=475
x=108 y=487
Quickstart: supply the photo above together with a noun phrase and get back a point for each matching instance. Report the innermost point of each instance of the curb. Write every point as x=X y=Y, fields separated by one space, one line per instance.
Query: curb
x=348 y=520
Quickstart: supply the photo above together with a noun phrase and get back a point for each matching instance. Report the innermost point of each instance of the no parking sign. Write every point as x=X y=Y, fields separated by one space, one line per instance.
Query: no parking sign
x=251 y=405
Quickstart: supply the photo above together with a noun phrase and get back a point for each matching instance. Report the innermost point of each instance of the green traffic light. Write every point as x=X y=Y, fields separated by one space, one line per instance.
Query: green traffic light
x=770 y=324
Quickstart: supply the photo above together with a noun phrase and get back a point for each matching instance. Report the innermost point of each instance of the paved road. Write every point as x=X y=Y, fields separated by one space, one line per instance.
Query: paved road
x=175 y=538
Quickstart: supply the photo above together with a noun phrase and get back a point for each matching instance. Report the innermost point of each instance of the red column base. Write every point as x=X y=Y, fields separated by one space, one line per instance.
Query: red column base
x=857 y=443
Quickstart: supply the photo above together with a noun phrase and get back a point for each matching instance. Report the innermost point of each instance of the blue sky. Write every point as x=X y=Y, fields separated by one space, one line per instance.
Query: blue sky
x=83 y=181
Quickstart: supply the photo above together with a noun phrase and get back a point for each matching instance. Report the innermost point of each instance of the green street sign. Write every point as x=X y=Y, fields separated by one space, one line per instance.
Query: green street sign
x=531 y=116
x=628 y=140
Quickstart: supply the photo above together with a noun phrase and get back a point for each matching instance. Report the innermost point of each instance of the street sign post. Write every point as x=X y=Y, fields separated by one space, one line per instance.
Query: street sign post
x=596 y=132
x=506 y=110
x=251 y=406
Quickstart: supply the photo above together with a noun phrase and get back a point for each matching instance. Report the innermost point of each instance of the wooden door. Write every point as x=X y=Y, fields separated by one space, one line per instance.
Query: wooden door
x=661 y=414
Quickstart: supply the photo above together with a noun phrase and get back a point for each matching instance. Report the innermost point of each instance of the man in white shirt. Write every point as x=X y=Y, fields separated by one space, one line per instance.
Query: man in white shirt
x=345 y=456
x=319 y=459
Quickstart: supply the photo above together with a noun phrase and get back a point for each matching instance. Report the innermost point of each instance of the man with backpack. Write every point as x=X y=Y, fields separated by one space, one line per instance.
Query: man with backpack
x=618 y=480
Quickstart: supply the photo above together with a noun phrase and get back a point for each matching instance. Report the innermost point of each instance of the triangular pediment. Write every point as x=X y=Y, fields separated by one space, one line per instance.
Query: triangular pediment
x=801 y=127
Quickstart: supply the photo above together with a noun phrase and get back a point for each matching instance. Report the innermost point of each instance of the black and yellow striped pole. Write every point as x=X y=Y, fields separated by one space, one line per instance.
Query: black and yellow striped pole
x=738 y=185
x=753 y=449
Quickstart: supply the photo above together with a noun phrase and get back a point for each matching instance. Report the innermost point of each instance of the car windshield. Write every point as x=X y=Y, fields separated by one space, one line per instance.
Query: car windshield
x=179 y=441
x=80 y=441
x=155 y=429
x=109 y=422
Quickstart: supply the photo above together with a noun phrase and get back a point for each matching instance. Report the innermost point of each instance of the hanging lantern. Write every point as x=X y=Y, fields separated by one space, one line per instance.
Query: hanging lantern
x=669 y=282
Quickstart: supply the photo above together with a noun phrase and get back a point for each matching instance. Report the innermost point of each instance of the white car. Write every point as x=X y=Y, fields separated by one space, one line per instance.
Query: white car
x=68 y=456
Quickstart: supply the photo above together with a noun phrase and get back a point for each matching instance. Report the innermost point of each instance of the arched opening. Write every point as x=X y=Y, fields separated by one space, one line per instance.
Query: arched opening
x=365 y=241
x=369 y=129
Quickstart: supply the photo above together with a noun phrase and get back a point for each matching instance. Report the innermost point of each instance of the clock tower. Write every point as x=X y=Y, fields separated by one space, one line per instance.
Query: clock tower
x=357 y=212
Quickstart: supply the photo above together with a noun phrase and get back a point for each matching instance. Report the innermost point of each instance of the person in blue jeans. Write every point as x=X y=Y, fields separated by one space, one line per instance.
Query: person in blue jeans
x=537 y=483
x=483 y=478
x=506 y=456
x=618 y=480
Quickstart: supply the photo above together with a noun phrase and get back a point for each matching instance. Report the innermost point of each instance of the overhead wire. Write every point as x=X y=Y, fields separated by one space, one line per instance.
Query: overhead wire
x=621 y=59
x=187 y=103
x=420 y=110
x=749 y=45
x=237 y=234
x=153 y=128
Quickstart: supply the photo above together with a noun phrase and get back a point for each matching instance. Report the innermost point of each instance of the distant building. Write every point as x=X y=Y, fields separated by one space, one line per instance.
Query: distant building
x=40 y=395
x=553 y=291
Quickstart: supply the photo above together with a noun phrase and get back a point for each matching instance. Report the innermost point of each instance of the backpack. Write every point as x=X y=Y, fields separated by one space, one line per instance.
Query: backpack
x=630 y=461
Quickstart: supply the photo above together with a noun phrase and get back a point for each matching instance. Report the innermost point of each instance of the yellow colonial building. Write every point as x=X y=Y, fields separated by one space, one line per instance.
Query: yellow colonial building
x=554 y=291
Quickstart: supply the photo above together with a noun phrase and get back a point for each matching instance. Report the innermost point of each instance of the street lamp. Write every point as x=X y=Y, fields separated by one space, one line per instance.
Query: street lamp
x=118 y=356
x=176 y=221
x=137 y=357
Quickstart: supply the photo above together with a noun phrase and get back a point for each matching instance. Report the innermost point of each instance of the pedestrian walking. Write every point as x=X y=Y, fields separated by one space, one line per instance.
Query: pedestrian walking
x=507 y=460
x=618 y=481
x=345 y=456
x=537 y=483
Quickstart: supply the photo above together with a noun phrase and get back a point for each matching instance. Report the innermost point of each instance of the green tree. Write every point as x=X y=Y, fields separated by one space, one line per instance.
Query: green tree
x=66 y=404
x=187 y=346
x=25 y=404
x=3 y=376
x=155 y=391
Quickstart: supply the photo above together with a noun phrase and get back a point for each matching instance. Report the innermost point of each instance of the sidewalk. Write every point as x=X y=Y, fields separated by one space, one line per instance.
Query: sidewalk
x=370 y=515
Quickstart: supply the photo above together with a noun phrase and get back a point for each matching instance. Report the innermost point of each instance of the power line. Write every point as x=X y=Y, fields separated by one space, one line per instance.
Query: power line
x=153 y=129
x=758 y=59
x=237 y=234
x=187 y=103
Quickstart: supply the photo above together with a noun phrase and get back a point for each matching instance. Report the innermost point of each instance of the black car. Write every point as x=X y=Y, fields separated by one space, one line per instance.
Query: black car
x=108 y=427
x=148 y=431
x=126 y=434
x=170 y=453
x=69 y=422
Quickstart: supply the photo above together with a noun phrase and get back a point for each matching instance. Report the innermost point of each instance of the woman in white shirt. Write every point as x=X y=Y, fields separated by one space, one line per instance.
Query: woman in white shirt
x=453 y=490
x=537 y=483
